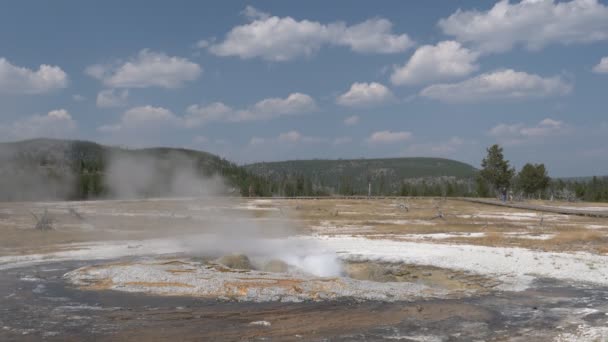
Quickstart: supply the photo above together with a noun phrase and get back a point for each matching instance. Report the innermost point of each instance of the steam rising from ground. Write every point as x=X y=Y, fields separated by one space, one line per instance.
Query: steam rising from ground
x=41 y=170
x=35 y=170
x=172 y=175
x=177 y=175
x=307 y=256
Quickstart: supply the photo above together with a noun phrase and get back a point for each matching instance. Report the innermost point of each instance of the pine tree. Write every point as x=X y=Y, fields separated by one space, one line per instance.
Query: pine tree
x=496 y=170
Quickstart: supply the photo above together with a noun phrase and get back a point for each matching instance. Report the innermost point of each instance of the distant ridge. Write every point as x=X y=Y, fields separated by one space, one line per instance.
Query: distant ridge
x=40 y=169
x=385 y=173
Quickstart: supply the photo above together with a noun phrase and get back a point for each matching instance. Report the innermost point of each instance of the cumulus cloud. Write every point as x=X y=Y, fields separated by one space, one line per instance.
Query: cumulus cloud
x=274 y=38
x=295 y=103
x=365 y=95
x=502 y=84
x=520 y=133
x=531 y=23
x=253 y=13
x=351 y=120
x=157 y=117
x=143 y=117
x=111 y=98
x=602 y=66
x=430 y=63
x=55 y=124
x=147 y=69
x=20 y=80
x=388 y=137
x=373 y=36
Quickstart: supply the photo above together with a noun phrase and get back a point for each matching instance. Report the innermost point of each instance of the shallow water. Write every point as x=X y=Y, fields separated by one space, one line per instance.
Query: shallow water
x=37 y=304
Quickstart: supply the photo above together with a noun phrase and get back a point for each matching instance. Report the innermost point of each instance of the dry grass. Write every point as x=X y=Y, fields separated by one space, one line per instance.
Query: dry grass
x=133 y=220
x=578 y=236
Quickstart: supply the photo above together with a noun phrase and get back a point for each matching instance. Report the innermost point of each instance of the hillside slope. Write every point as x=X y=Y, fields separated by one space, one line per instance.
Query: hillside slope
x=41 y=169
x=345 y=176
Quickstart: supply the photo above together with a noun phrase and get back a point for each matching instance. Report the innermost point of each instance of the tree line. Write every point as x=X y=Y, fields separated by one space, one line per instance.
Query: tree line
x=498 y=178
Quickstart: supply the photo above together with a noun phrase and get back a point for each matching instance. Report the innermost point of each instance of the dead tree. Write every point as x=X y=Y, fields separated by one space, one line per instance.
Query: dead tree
x=76 y=214
x=439 y=215
x=45 y=222
x=404 y=206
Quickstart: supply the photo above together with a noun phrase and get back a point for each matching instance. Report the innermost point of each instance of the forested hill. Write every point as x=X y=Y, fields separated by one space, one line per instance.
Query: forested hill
x=387 y=175
x=41 y=169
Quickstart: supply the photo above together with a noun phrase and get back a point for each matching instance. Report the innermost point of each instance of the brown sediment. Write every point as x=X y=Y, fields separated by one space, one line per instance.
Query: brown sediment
x=294 y=322
x=452 y=280
x=181 y=271
x=98 y=285
x=157 y=284
x=173 y=262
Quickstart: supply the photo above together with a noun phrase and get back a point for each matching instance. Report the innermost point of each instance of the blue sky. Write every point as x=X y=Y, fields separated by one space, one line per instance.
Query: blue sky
x=273 y=80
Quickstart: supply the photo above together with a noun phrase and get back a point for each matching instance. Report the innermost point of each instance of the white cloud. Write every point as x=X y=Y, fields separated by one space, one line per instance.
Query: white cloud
x=266 y=109
x=602 y=66
x=253 y=13
x=531 y=23
x=429 y=63
x=55 y=124
x=205 y=43
x=373 y=36
x=20 y=80
x=388 y=137
x=365 y=94
x=143 y=117
x=78 y=98
x=351 y=120
x=216 y=112
x=147 y=69
x=272 y=107
x=198 y=115
x=502 y=84
x=520 y=133
x=442 y=148
x=280 y=39
x=291 y=136
x=110 y=98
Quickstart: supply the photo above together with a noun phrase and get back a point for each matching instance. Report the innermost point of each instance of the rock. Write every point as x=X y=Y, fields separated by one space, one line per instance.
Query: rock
x=276 y=266
x=236 y=261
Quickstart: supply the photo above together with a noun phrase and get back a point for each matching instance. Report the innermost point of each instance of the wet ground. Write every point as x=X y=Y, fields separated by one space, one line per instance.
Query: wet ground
x=37 y=304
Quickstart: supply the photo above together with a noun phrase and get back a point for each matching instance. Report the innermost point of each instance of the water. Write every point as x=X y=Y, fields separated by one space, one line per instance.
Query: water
x=36 y=304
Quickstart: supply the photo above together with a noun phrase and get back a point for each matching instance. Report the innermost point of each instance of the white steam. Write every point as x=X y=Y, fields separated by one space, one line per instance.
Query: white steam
x=228 y=232
x=144 y=175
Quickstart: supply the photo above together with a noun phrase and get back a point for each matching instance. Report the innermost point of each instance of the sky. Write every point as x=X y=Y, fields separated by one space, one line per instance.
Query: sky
x=276 y=80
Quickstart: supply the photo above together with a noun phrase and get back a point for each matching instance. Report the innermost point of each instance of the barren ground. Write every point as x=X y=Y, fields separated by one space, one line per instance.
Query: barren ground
x=409 y=269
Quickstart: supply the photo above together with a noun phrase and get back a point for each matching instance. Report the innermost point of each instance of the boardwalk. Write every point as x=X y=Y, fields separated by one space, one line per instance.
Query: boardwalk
x=543 y=208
